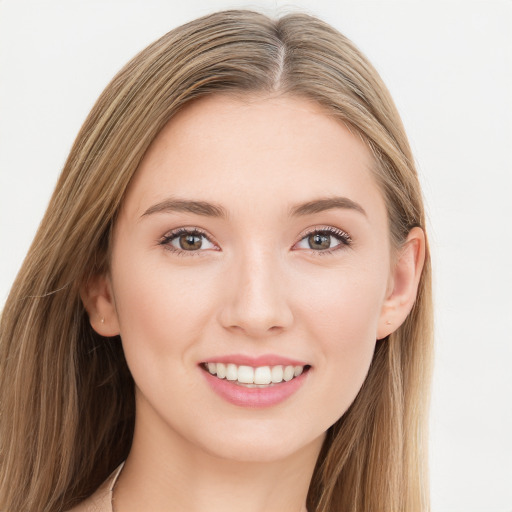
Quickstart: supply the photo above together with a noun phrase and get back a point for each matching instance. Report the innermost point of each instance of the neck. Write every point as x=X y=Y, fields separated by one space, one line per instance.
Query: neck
x=166 y=472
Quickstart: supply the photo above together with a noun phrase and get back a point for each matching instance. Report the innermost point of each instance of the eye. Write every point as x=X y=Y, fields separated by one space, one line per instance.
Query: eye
x=185 y=240
x=325 y=240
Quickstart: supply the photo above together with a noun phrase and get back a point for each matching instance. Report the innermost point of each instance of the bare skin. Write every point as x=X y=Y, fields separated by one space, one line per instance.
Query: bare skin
x=316 y=284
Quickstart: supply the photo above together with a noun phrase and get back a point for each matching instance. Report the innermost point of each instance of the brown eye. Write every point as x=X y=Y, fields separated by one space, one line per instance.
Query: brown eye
x=319 y=241
x=324 y=241
x=185 y=240
x=190 y=242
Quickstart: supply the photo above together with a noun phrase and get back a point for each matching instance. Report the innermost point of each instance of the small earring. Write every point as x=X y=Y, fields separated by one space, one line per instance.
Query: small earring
x=102 y=320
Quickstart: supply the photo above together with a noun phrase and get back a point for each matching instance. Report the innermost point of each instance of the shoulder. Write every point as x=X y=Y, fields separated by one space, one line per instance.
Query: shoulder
x=101 y=500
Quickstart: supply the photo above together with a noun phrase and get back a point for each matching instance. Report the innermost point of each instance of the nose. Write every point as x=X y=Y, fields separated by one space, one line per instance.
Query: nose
x=257 y=299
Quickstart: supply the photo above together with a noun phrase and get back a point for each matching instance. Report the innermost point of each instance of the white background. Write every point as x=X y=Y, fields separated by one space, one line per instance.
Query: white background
x=449 y=68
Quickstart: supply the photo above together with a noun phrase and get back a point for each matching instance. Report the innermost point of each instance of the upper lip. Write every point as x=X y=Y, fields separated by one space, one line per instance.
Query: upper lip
x=263 y=360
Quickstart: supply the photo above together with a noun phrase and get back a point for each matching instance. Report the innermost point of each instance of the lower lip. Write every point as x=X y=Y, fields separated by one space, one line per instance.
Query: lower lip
x=254 y=397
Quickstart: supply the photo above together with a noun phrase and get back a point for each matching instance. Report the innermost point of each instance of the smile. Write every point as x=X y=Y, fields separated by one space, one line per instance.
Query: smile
x=260 y=376
x=251 y=383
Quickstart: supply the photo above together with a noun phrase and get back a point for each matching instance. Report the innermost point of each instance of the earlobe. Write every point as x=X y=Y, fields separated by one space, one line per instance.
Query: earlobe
x=404 y=283
x=98 y=300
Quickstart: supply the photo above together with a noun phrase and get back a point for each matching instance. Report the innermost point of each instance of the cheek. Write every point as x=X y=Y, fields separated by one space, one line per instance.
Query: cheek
x=344 y=303
x=162 y=311
x=342 y=318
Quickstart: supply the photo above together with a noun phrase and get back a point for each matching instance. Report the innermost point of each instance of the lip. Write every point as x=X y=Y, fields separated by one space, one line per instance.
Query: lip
x=263 y=360
x=242 y=396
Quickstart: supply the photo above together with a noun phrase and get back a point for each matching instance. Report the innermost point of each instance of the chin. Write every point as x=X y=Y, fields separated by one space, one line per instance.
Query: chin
x=267 y=443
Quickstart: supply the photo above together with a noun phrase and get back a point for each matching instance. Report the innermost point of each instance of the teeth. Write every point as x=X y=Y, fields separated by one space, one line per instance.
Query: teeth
x=231 y=372
x=221 y=370
x=262 y=375
x=245 y=374
x=289 y=372
x=251 y=377
x=277 y=374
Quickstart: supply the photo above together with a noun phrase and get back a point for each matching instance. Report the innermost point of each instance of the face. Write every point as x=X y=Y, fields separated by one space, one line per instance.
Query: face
x=253 y=238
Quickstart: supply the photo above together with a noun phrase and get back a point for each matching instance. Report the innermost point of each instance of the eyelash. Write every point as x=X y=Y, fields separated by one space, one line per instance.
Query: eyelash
x=343 y=237
x=168 y=238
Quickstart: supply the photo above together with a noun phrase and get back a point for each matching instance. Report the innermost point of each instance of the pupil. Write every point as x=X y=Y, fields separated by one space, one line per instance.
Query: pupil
x=189 y=242
x=318 y=241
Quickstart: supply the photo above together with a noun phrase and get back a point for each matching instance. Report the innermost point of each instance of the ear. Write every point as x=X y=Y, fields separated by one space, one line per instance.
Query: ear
x=403 y=283
x=98 y=300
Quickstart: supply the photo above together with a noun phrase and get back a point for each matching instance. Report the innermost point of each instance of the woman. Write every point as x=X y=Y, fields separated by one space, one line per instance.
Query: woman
x=228 y=301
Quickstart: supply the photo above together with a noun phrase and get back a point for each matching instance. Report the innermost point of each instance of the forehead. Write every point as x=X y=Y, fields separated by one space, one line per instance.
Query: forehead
x=247 y=150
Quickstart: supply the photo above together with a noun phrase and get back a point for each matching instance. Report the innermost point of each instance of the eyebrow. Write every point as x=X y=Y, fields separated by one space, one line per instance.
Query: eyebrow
x=208 y=209
x=323 y=204
x=183 y=205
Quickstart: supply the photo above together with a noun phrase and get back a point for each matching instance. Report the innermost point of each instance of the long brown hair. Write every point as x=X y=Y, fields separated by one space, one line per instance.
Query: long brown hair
x=67 y=397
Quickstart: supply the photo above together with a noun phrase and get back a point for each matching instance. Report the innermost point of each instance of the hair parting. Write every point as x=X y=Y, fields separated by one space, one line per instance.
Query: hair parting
x=67 y=396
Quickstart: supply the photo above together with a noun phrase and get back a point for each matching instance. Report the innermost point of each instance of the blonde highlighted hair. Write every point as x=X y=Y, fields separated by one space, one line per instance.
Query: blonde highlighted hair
x=67 y=396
